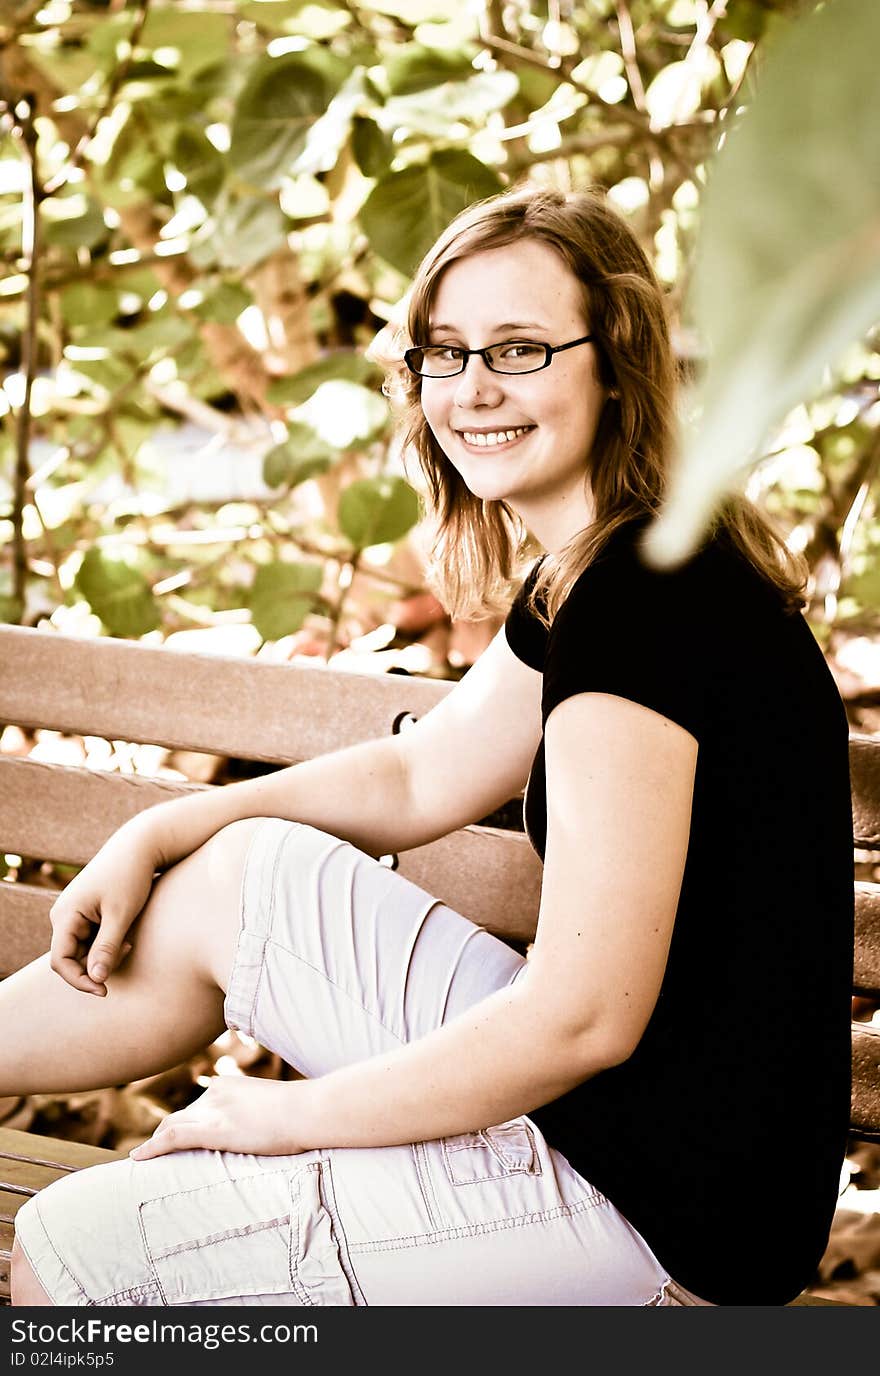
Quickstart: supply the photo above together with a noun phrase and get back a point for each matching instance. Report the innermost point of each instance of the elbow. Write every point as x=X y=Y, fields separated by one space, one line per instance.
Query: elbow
x=602 y=1046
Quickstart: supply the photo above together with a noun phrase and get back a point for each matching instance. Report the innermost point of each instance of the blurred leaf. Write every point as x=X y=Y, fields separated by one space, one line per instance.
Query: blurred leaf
x=281 y=100
x=377 y=511
x=343 y=365
x=302 y=455
x=434 y=111
x=198 y=160
x=410 y=67
x=75 y=221
x=88 y=303
x=282 y=596
x=417 y=11
x=240 y=234
x=224 y=303
x=329 y=134
x=372 y=148
x=787 y=271
x=118 y=594
x=200 y=36
x=312 y=18
x=406 y=211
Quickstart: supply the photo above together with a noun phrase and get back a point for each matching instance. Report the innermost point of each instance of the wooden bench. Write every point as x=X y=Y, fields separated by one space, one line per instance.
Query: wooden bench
x=254 y=710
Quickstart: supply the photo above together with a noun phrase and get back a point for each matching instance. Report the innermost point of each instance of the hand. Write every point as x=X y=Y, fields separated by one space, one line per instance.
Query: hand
x=236 y=1113
x=91 y=917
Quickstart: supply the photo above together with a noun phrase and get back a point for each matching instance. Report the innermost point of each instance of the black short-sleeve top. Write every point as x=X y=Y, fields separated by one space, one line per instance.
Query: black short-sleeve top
x=750 y=1037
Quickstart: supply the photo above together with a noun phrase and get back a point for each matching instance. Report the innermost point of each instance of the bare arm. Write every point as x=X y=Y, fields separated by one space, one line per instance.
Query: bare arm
x=613 y=768
x=383 y=796
x=464 y=758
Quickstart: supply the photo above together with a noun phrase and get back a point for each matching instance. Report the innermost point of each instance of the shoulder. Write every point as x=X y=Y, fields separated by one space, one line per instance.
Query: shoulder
x=621 y=589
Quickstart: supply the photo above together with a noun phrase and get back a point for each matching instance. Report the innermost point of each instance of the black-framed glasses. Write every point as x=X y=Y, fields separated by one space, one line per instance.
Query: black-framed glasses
x=513 y=356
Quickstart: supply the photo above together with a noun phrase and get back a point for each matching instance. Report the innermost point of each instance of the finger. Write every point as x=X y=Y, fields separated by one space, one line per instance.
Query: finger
x=71 y=971
x=67 y=956
x=181 y=1135
x=105 y=949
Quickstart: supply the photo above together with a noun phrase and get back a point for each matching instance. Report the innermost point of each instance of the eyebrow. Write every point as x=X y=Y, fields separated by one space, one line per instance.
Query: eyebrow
x=496 y=329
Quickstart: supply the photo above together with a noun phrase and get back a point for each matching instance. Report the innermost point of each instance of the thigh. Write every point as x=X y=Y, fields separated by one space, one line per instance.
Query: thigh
x=488 y=1218
x=190 y=1228
x=340 y=958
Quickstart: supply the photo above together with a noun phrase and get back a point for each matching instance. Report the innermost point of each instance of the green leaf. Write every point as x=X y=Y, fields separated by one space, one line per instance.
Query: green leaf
x=118 y=594
x=223 y=304
x=74 y=221
x=410 y=67
x=432 y=111
x=417 y=11
x=200 y=37
x=302 y=455
x=281 y=100
x=377 y=511
x=371 y=146
x=88 y=303
x=282 y=596
x=787 y=271
x=198 y=160
x=311 y=18
x=406 y=211
x=345 y=365
x=240 y=235
x=331 y=131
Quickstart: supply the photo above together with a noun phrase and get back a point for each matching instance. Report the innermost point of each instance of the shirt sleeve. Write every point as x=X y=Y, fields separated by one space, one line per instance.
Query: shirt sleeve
x=634 y=632
x=526 y=635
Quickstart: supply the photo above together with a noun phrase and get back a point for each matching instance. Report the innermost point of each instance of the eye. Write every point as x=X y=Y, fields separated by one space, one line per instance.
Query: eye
x=520 y=351
x=445 y=353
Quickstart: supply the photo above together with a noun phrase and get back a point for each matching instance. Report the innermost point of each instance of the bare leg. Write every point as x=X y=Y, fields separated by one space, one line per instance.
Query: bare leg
x=24 y=1287
x=163 y=1005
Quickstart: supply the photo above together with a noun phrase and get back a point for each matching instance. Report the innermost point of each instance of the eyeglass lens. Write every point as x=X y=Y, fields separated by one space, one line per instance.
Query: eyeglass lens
x=445 y=360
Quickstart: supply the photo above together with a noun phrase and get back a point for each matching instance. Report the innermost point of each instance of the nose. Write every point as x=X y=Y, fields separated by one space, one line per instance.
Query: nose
x=478 y=385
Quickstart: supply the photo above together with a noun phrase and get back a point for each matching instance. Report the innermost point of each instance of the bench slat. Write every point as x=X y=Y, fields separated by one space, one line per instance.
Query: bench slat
x=866 y=964
x=249 y=709
x=24 y=922
x=51 y=1151
x=864 y=763
x=865 y=1118
x=59 y=812
x=28 y=1161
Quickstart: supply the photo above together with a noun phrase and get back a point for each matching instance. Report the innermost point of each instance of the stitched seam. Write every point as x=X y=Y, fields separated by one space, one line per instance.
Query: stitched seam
x=213 y=1238
x=352 y=998
x=270 y=919
x=65 y=1268
x=295 y=1241
x=476 y=1229
x=420 y=1157
x=327 y=1190
x=148 y=1287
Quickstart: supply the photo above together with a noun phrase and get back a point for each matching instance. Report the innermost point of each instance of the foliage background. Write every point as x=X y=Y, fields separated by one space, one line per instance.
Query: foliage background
x=209 y=209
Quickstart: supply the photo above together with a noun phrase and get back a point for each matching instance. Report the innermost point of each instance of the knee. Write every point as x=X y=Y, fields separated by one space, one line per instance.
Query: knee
x=24 y=1286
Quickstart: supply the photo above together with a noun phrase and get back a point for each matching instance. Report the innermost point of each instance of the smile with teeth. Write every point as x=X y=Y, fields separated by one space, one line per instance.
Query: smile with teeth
x=490 y=437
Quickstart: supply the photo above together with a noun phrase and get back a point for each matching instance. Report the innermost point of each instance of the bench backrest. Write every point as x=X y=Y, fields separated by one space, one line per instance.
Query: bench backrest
x=279 y=714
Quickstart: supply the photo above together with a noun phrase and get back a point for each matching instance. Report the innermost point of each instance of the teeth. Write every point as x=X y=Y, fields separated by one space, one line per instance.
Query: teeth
x=494 y=436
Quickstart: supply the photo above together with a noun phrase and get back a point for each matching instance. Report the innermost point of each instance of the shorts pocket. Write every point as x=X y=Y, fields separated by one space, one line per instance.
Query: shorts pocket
x=264 y=1234
x=492 y=1154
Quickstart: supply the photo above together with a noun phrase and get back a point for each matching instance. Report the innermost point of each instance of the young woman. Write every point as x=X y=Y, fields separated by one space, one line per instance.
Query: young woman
x=598 y=1124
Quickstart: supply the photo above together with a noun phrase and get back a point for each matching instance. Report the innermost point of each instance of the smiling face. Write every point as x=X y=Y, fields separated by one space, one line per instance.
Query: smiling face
x=524 y=439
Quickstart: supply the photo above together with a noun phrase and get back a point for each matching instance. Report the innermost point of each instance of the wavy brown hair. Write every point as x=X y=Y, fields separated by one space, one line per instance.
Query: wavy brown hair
x=479 y=546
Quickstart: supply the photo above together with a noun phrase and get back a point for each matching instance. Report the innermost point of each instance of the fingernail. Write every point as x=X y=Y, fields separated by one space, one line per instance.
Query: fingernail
x=98 y=972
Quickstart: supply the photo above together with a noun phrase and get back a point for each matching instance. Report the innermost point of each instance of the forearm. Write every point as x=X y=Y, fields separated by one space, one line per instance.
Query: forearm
x=360 y=794
x=506 y=1056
